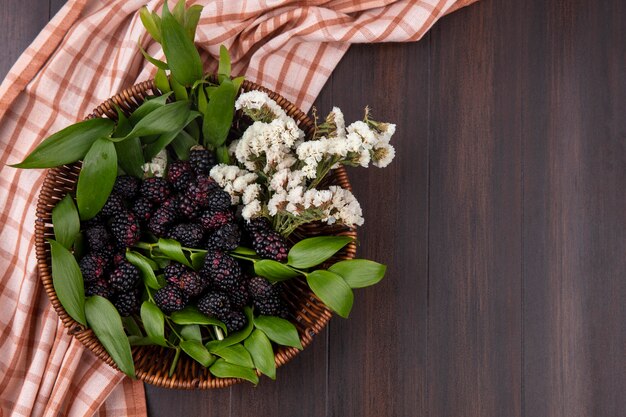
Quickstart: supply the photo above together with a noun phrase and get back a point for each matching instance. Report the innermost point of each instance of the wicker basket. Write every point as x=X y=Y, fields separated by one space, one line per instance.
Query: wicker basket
x=152 y=363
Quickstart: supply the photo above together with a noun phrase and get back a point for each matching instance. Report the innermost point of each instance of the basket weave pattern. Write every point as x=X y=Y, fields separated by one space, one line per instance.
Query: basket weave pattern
x=152 y=363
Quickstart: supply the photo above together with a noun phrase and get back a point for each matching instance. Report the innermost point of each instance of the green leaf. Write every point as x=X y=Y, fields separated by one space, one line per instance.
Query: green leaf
x=191 y=315
x=237 y=83
x=106 y=323
x=244 y=251
x=197 y=260
x=156 y=62
x=140 y=341
x=203 y=101
x=219 y=114
x=223 y=369
x=161 y=82
x=359 y=273
x=179 y=12
x=68 y=281
x=180 y=92
x=223 y=70
x=236 y=337
x=273 y=270
x=80 y=246
x=68 y=145
x=150 y=24
x=235 y=354
x=173 y=250
x=191 y=332
x=223 y=157
x=181 y=53
x=130 y=157
x=96 y=178
x=198 y=352
x=315 y=250
x=148 y=107
x=65 y=221
x=260 y=348
x=145 y=265
x=332 y=290
x=279 y=330
x=153 y=322
x=165 y=139
x=131 y=326
x=167 y=118
x=193 y=130
x=182 y=144
x=192 y=17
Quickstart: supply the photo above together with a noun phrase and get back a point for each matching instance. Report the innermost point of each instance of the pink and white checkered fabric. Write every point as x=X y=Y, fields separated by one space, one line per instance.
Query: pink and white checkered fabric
x=88 y=53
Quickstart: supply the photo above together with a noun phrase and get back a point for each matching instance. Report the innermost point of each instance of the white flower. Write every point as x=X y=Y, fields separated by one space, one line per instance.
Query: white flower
x=364 y=158
x=255 y=100
x=157 y=165
x=345 y=207
x=383 y=155
x=368 y=137
x=310 y=171
x=386 y=132
x=251 y=193
x=277 y=202
x=251 y=210
x=339 y=121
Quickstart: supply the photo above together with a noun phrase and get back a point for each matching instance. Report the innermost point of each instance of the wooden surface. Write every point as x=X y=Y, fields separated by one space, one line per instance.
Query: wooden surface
x=502 y=221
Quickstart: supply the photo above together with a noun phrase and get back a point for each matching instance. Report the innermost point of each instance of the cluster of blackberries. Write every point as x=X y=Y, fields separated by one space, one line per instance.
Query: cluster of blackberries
x=187 y=205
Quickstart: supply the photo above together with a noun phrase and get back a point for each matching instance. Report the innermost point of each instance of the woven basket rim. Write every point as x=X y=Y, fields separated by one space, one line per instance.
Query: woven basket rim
x=309 y=307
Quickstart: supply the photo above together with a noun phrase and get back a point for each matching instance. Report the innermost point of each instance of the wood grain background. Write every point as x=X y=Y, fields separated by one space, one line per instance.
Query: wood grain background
x=502 y=221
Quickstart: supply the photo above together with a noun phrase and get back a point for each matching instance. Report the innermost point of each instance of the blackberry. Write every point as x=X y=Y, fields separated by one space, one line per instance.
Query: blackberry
x=155 y=189
x=201 y=160
x=270 y=306
x=124 y=277
x=257 y=224
x=173 y=271
x=125 y=230
x=269 y=244
x=100 y=287
x=126 y=186
x=93 y=267
x=239 y=296
x=142 y=208
x=161 y=220
x=188 y=234
x=191 y=283
x=226 y=238
x=188 y=208
x=98 y=239
x=98 y=219
x=214 y=304
x=127 y=303
x=211 y=220
x=200 y=191
x=113 y=206
x=179 y=174
x=170 y=299
x=222 y=270
x=235 y=320
x=219 y=200
x=260 y=288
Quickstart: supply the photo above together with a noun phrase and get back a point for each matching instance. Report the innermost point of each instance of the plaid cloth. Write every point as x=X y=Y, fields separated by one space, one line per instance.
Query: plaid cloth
x=88 y=53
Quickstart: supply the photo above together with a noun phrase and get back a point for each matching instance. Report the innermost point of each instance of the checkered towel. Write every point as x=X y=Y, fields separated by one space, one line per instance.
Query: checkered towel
x=88 y=53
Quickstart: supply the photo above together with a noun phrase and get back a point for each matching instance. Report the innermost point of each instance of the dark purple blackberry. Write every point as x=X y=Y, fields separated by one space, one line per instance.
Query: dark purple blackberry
x=269 y=244
x=222 y=270
x=127 y=303
x=259 y=288
x=155 y=189
x=225 y=238
x=270 y=306
x=113 y=206
x=98 y=239
x=220 y=200
x=93 y=267
x=126 y=186
x=124 y=277
x=179 y=174
x=214 y=304
x=234 y=321
x=173 y=271
x=192 y=284
x=201 y=160
x=100 y=287
x=142 y=208
x=188 y=234
x=125 y=230
x=98 y=219
x=211 y=220
x=257 y=224
x=200 y=191
x=119 y=257
x=188 y=208
x=170 y=299
x=161 y=221
x=239 y=296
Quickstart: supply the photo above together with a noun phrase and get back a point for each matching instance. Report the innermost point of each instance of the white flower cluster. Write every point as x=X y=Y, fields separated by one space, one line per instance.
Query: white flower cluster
x=157 y=165
x=277 y=170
